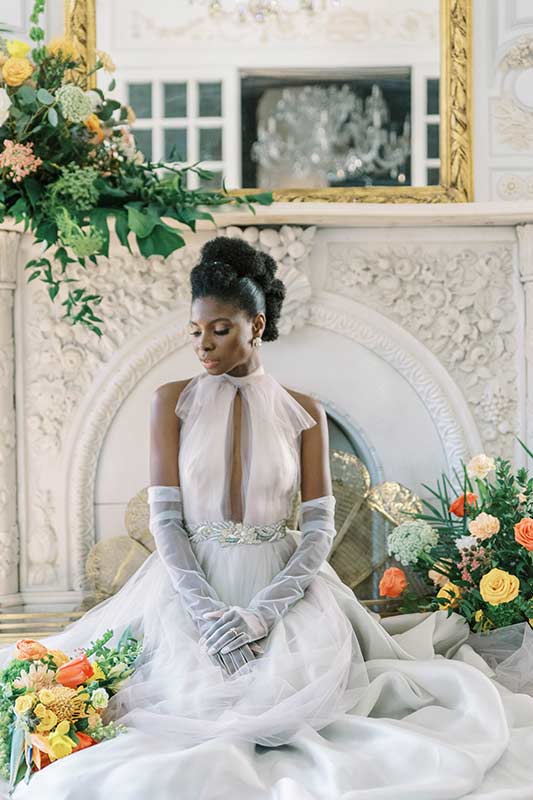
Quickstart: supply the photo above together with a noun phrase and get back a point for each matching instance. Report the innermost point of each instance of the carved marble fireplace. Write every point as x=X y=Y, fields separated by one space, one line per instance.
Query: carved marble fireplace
x=411 y=324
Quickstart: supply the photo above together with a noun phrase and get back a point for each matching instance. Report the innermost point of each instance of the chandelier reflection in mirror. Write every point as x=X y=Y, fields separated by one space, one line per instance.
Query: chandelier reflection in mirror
x=262 y=11
x=328 y=136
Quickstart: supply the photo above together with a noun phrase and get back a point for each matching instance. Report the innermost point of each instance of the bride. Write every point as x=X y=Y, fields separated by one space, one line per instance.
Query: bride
x=262 y=677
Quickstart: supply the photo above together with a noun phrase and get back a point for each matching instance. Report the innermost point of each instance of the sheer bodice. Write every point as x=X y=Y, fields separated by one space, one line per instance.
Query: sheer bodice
x=270 y=426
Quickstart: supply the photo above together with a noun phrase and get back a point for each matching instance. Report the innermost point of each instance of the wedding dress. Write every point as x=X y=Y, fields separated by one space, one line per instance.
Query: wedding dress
x=340 y=705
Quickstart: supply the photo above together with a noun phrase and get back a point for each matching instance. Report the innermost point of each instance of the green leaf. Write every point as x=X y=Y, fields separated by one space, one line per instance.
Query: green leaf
x=44 y=97
x=141 y=223
x=52 y=117
x=121 y=227
x=112 y=85
x=98 y=218
x=34 y=190
x=26 y=95
x=162 y=242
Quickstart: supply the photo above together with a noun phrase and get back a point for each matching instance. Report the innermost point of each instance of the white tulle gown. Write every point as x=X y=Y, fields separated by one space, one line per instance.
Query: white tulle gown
x=340 y=706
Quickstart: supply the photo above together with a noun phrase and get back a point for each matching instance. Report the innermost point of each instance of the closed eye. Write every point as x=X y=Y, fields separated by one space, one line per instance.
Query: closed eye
x=219 y=333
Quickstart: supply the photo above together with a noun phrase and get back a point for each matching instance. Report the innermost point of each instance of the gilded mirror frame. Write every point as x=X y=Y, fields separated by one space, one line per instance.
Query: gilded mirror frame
x=456 y=156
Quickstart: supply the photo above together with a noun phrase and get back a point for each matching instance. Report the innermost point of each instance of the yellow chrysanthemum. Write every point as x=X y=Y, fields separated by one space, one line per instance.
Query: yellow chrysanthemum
x=63 y=48
x=17 y=49
x=24 y=703
x=98 y=673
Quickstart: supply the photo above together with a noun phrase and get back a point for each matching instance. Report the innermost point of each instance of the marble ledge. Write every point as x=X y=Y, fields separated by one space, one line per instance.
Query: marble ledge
x=361 y=215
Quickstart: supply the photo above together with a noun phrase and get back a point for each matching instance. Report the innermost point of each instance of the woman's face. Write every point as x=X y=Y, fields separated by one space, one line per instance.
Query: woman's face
x=222 y=335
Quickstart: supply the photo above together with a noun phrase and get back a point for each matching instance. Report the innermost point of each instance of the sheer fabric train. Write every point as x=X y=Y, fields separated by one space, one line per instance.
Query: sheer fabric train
x=340 y=706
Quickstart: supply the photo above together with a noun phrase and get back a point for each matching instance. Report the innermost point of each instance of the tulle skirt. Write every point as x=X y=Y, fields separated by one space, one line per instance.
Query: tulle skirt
x=340 y=706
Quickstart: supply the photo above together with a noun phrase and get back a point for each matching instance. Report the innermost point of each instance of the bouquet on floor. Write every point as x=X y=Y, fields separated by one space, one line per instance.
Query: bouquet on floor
x=52 y=705
x=473 y=547
x=69 y=164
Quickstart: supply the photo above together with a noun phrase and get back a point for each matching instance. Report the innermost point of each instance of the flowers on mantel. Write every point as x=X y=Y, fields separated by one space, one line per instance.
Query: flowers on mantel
x=474 y=547
x=69 y=166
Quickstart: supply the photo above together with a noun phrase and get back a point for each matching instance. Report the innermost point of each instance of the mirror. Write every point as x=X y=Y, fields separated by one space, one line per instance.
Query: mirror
x=311 y=99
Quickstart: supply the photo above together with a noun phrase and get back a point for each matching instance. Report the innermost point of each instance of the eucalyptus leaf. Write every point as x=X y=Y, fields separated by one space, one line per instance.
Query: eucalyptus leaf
x=52 y=117
x=44 y=97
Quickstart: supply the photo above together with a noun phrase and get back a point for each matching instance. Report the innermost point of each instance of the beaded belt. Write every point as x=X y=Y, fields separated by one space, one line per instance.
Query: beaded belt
x=230 y=532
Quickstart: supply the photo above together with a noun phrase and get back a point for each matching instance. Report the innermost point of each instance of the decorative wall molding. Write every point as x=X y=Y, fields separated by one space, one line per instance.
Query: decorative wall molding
x=514 y=186
x=514 y=124
x=458 y=301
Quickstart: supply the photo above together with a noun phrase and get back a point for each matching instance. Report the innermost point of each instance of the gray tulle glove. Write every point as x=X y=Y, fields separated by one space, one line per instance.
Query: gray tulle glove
x=186 y=575
x=237 y=626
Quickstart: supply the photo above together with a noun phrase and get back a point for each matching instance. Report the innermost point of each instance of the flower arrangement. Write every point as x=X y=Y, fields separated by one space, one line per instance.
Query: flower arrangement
x=473 y=548
x=52 y=705
x=69 y=166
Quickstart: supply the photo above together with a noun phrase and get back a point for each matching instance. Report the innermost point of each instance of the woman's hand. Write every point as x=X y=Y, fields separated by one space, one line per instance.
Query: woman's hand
x=233 y=628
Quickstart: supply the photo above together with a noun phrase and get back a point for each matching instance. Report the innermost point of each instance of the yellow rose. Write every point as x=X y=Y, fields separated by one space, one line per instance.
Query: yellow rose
x=17 y=49
x=45 y=696
x=47 y=720
x=498 y=586
x=62 y=728
x=16 y=70
x=24 y=703
x=60 y=46
x=451 y=593
x=478 y=616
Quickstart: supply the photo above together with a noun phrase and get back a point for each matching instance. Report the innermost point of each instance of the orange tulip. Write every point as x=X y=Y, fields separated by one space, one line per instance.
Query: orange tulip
x=75 y=672
x=458 y=506
x=29 y=650
x=85 y=741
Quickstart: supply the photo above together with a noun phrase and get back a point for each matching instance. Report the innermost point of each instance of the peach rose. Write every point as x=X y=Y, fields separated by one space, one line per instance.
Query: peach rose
x=480 y=466
x=16 y=70
x=484 y=526
x=437 y=577
x=458 y=505
x=29 y=650
x=523 y=532
x=74 y=672
x=393 y=582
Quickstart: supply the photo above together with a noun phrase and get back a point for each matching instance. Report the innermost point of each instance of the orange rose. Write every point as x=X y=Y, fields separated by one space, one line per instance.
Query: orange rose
x=458 y=506
x=29 y=650
x=393 y=582
x=93 y=124
x=74 y=672
x=523 y=532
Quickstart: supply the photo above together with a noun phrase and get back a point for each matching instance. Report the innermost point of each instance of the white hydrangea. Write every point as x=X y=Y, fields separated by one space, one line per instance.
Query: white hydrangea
x=409 y=540
x=74 y=103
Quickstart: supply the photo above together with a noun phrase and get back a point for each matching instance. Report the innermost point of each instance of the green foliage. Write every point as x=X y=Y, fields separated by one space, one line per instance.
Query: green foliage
x=91 y=171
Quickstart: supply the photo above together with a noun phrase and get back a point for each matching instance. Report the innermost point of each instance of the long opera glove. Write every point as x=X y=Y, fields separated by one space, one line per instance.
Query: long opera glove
x=317 y=525
x=184 y=570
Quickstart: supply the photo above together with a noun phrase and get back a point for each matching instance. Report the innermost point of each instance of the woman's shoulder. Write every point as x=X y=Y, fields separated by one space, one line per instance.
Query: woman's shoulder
x=313 y=406
x=169 y=393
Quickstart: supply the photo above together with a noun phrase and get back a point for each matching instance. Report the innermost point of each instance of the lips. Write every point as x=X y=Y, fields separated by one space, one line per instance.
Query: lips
x=208 y=362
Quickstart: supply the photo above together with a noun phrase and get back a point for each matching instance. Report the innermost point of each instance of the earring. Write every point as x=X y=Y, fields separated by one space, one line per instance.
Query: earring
x=257 y=341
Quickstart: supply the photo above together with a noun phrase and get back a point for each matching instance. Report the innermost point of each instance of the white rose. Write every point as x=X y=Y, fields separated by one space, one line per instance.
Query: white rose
x=99 y=698
x=5 y=104
x=480 y=466
x=96 y=100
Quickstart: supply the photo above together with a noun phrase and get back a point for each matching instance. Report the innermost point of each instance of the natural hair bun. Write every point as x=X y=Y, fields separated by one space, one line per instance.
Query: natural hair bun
x=224 y=261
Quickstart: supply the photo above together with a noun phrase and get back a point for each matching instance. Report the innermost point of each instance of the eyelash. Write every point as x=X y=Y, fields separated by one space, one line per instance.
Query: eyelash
x=220 y=333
